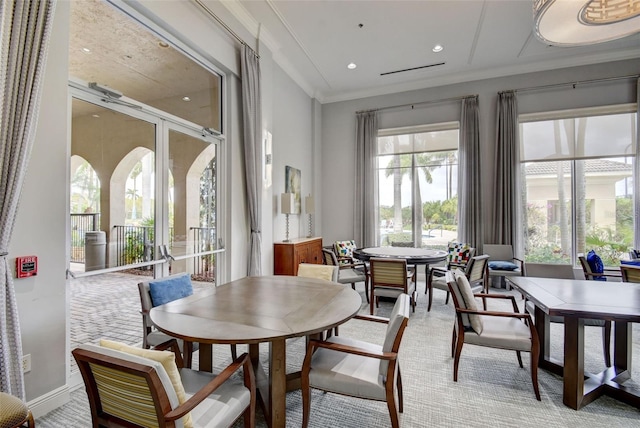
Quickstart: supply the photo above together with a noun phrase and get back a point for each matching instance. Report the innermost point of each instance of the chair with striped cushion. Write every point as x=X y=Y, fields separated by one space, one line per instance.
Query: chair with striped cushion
x=390 y=278
x=133 y=387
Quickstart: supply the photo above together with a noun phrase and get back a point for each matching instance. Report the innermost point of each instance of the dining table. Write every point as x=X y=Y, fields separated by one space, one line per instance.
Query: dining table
x=577 y=300
x=255 y=310
x=413 y=255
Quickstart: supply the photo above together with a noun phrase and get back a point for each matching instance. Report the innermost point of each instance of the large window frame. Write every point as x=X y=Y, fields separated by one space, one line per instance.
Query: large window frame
x=578 y=153
x=410 y=151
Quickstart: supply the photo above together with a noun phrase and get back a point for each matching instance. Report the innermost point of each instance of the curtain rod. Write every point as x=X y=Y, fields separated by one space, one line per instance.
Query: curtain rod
x=225 y=26
x=422 y=103
x=574 y=84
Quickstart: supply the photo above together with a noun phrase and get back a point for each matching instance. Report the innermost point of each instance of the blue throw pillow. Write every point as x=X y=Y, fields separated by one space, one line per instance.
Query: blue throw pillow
x=502 y=265
x=167 y=290
x=596 y=265
x=630 y=262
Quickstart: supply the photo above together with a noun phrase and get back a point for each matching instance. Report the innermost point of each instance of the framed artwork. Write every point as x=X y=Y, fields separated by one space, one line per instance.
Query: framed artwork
x=292 y=184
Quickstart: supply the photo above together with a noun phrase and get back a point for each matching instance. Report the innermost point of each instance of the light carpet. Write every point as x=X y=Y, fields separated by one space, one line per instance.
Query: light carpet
x=492 y=390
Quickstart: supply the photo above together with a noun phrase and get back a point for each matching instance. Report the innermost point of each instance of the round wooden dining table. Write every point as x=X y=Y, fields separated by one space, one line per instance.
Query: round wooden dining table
x=254 y=310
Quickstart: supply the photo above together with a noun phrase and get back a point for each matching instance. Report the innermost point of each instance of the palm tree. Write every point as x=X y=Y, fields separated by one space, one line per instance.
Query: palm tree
x=403 y=164
x=133 y=194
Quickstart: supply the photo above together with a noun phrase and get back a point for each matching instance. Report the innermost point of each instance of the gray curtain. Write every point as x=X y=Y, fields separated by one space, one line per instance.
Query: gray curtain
x=636 y=172
x=252 y=127
x=25 y=35
x=507 y=175
x=366 y=198
x=469 y=187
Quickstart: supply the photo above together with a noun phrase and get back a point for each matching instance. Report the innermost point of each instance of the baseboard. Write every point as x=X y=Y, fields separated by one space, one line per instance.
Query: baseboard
x=44 y=404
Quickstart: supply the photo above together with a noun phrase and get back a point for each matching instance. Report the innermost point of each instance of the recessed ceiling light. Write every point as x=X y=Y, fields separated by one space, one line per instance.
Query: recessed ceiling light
x=87 y=50
x=437 y=48
x=163 y=44
x=351 y=66
x=95 y=115
x=186 y=99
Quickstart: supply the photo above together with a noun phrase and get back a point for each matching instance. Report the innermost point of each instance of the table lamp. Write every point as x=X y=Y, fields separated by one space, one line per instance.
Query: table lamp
x=287 y=206
x=309 y=206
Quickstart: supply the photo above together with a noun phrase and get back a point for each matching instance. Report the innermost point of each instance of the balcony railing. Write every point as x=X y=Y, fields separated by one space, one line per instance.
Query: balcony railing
x=80 y=224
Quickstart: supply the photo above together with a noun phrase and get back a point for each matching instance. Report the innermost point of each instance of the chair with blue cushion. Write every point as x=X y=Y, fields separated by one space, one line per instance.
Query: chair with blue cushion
x=502 y=261
x=594 y=269
x=157 y=292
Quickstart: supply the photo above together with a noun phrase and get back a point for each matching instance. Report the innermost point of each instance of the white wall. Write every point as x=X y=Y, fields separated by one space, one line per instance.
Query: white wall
x=339 y=124
x=40 y=228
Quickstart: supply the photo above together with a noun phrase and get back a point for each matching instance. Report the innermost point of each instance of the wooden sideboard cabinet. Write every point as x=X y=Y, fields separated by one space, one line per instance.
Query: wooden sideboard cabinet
x=288 y=255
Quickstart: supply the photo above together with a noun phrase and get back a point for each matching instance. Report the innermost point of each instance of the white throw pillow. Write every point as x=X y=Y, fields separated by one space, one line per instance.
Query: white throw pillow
x=469 y=300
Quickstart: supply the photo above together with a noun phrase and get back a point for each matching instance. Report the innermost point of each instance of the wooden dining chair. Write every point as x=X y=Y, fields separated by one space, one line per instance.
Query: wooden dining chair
x=503 y=330
x=14 y=413
x=350 y=272
x=476 y=272
x=589 y=271
x=630 y=273
x=133 y=387
x=356 y=368
x=390 y=278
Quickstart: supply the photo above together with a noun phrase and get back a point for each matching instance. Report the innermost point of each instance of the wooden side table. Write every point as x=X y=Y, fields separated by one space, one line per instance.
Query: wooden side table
x=288 y=255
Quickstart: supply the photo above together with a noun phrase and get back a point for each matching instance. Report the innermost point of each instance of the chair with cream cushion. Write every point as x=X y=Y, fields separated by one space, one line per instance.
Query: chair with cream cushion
x=502 y=261
x=132 y=387
x=475 y=269
x=565 y=271
x=310 y=270
x=358 y=369
x=390 y=278
x=504 y=330
x=348 y=272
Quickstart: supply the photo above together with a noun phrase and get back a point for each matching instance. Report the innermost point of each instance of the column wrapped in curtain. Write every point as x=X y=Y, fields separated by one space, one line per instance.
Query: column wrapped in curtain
x=26 y=27
x=470 y=189
x=366 y=198
x=507 y=175
x=252 y=127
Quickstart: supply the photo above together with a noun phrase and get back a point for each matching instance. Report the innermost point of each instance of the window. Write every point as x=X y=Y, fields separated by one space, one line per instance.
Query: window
x=417 y=185
x=578 y=174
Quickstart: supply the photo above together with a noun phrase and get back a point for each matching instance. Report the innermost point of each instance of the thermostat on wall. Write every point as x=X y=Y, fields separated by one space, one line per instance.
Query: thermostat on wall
x=26 y=266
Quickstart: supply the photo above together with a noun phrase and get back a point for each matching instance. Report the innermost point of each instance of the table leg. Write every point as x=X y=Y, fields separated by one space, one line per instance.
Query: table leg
x=542 y=328
x=573 y=384
x=277 y=383
x=621 y=350
x=205 y=357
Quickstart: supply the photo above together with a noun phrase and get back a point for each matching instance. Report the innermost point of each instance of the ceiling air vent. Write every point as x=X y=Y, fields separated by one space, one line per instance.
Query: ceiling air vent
x=411 y=69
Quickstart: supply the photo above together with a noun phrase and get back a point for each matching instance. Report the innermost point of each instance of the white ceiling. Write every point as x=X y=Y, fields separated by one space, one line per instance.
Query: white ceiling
x=314 y=40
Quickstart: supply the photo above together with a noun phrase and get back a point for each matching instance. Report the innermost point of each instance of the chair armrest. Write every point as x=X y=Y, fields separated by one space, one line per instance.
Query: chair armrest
x=524 y=316
x=610 y=273
x=500 y=296
x=372 y=318
x=242 y=361
x=352 y=350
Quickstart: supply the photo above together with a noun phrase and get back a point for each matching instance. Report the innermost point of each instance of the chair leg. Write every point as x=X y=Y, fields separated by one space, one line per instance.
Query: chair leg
x=353 y=286
x=535 y=354
x=371 y=301
x=606 y=342
x=430 y=290
x=456 y=358
x=519 y=359
x=446 y=301
x=366 y=288
x=393 y=409
x=453 y=341
x=399 y=386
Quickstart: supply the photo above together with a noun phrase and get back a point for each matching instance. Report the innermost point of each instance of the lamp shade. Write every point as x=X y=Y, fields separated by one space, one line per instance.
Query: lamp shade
x=287 y=203
x=309 y=204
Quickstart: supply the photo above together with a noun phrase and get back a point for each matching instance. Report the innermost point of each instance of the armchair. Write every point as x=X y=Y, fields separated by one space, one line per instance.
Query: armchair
x=358 y=369
x=458 y=255
x=593 y=268
x=134 y=387
x=348 y=273
x=502 y=261
x=630 y=273
x=503 y=330
x=475 y=270
x=390 y=278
